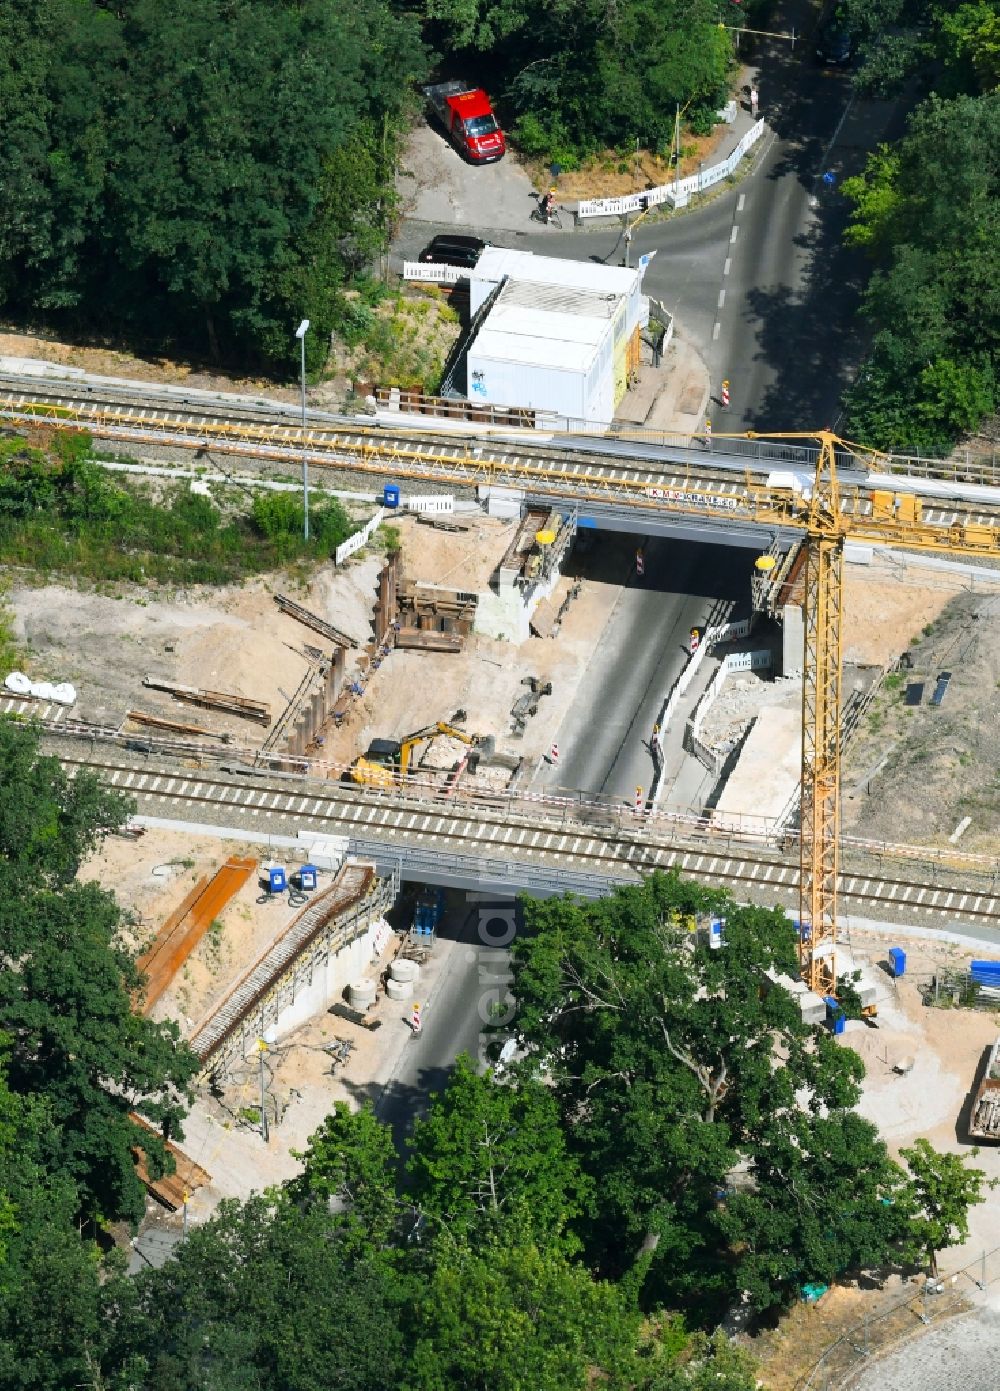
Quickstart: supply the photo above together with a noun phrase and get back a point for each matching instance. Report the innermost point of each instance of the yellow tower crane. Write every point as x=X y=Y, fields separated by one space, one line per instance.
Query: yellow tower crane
x=831 y=518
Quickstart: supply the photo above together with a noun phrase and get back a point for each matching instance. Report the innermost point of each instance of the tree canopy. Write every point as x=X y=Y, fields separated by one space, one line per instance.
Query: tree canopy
x=67 y=986
x=574 y=76
x=943 y=1188
x=680 y=1070
x=206 y=172
x=929 y=210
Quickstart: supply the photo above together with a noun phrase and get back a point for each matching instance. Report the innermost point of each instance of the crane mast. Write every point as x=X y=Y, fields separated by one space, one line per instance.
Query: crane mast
x=819 y=844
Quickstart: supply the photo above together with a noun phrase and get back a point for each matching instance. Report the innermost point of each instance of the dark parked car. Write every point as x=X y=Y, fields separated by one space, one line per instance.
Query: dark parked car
x=835 y=45
x=453 y=250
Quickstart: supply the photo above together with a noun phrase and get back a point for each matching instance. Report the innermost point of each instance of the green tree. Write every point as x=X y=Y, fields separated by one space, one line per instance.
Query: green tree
x=351 y=1160
x=579 y=73
x=67 y=987
x=942 y=1189
x=811 y=1213
x=704 y=1364
x=510 y=1314
x=210 y=202
x=968 y=39
x=48 y=823
x=265 y=1294
x=673 y=1065
x=934 y=298
x=50 y=1324
x=488 y=1148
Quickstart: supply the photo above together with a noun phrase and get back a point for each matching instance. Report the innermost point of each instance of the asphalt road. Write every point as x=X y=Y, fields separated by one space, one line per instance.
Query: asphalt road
x=457 y=1017
x=758 y=276
x=604 y=739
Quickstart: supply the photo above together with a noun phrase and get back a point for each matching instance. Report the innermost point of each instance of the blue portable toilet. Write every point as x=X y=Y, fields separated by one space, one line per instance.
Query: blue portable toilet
x=835 y=1015
x=390 y=495
x=308 y=875
x=897 y=960
x=277 y=883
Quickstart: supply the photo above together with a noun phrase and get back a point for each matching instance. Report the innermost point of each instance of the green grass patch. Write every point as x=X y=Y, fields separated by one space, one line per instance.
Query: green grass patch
x=62 y=514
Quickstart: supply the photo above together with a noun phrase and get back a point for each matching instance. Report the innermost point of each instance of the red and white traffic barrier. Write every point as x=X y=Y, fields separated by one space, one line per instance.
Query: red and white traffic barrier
x=639 y=799
x=725 y=395
x=554 y=753
x=415 y=1022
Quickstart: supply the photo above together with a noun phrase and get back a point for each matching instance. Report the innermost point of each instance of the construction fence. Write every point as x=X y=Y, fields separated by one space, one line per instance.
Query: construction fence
x=676 y=193
x=924 y=1301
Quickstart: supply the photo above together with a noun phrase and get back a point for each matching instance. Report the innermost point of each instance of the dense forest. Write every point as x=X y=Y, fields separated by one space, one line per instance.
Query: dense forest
x=586 y=1217
x=202 y=173
x=928 y=211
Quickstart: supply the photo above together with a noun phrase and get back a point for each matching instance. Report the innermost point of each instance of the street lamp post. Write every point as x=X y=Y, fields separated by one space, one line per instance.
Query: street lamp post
x=270 y=1036
x=300 y=334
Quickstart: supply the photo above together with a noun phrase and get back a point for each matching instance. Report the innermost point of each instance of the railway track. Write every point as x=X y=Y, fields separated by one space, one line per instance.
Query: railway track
x=530 y=842
x=732 y=484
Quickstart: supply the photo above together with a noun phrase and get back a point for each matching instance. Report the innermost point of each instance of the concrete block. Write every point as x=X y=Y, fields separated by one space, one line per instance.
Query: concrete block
x=793 y=640
x=813 y=1007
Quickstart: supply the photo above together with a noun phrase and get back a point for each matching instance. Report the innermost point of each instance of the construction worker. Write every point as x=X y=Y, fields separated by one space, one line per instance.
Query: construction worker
x=548 y=203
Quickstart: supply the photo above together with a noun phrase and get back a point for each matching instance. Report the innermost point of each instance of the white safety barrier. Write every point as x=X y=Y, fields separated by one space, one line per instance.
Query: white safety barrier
x=430 y=503
x=360 y=538
x=725 y=632
x=676 y=193
x=434 y=274
x=748 y=661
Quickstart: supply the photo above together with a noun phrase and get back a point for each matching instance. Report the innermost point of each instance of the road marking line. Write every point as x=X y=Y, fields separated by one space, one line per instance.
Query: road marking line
x=963 y=901
x=921 y=895
x=733 y=235
x=892 y=895
x=717 y=329
x=728 y=266
x=741 y=202
x=722 y=298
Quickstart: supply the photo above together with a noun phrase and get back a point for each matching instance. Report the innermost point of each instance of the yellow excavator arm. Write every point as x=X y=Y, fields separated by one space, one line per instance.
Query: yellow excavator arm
x=371 y=772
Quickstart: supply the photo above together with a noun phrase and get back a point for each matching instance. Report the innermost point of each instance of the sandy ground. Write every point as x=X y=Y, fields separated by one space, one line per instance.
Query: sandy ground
x=914 y=773
x=237 y=641
x=232 y=640
x=412 y=689
x=109 y=361
x=150 y=877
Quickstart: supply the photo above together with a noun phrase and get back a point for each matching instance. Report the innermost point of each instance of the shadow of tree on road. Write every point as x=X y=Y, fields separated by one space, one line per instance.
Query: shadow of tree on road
x=810 y=338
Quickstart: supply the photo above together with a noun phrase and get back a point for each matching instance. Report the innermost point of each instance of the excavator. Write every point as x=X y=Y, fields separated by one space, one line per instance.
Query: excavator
x=387 y=762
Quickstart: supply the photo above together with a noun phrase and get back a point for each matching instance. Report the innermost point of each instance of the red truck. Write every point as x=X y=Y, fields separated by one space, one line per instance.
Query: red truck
x=468 y=118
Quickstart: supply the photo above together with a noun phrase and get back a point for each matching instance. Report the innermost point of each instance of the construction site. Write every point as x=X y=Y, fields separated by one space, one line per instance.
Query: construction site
x=438 y=665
